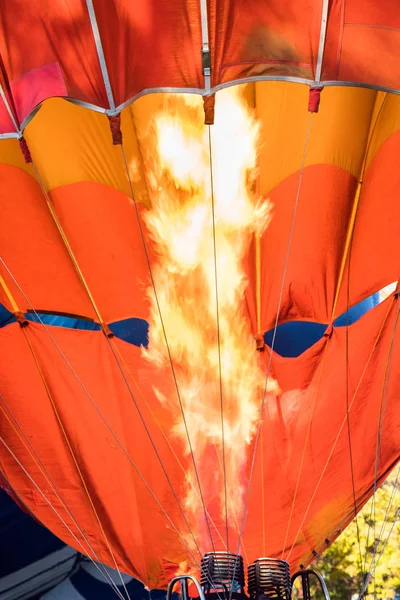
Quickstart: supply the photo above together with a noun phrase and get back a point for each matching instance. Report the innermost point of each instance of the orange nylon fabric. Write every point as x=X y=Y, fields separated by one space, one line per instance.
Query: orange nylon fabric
x=150 y=548
x=31 y=249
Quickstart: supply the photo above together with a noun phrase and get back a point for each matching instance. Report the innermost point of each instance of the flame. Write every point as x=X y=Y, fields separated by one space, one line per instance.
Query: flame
x=180 y=223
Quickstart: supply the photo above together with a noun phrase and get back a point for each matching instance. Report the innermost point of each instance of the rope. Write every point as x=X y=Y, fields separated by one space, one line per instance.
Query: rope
x=381 y=420
x=60 y=423
x=97 y=311
x=346 y=251
x=340 y=429
x=49 y=395
x=374 y=563
x=167 y=345
x=47 y=500
x=154 y=446
x=353 y=485
x=218 y=337
x=137 y=470
x=45 y=473
x=164 y=436
x=274 y=336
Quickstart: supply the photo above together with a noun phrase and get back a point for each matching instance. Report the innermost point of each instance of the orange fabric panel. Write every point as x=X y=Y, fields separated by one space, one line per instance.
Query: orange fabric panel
x=313 y=385
x=32 y=249
x=249 y=40
x=61 y=35
x=324 y=204
x=314 y=388
x=374 y=262
x=123 y=503
x=102 y=228
x=362 y=43
x=161 y=39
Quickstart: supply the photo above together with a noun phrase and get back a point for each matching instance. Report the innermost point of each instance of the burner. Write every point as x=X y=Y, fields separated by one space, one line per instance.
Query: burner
x=222 y=571
x=269 y=578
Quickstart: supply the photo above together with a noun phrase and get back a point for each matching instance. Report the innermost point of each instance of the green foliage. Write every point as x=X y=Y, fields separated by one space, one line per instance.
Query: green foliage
x=341 y=563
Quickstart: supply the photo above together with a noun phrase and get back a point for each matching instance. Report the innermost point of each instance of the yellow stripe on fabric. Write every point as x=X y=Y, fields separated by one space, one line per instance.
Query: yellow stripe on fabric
x=258 y=281
x=349 y=236
x=9 y=295
x=380 y=104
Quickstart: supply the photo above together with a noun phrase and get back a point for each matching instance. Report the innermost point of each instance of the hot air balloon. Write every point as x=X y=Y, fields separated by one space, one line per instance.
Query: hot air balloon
x=179 y=182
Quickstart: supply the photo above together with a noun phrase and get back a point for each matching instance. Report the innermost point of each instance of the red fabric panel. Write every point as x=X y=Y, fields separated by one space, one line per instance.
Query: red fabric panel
x=374 y=260
x=161 y=39
x=35 y=86
x=101 y=226
x=32 y=249
x=250 y=38
x=158 y=44
x=362 y=42
x=45 y=33
x=320 y=227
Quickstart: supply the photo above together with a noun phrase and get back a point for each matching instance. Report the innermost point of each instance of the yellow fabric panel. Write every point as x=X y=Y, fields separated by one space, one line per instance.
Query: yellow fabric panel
x=10 y=154
x=339 y=131
x=70 y=143
x=385 y=122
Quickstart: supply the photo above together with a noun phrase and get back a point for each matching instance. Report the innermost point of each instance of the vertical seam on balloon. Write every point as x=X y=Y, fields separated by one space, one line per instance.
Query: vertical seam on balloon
x=322 y=36
x=32 y=452
x=100 y=53
x=258 y=281
x=378 y=337
x=205 y=43
x=61 y=425
x=340 y=39
x=353 y=216
x=96 y=406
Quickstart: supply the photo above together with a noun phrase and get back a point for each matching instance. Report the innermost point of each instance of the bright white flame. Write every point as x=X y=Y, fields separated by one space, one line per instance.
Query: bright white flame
x=181 y=226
